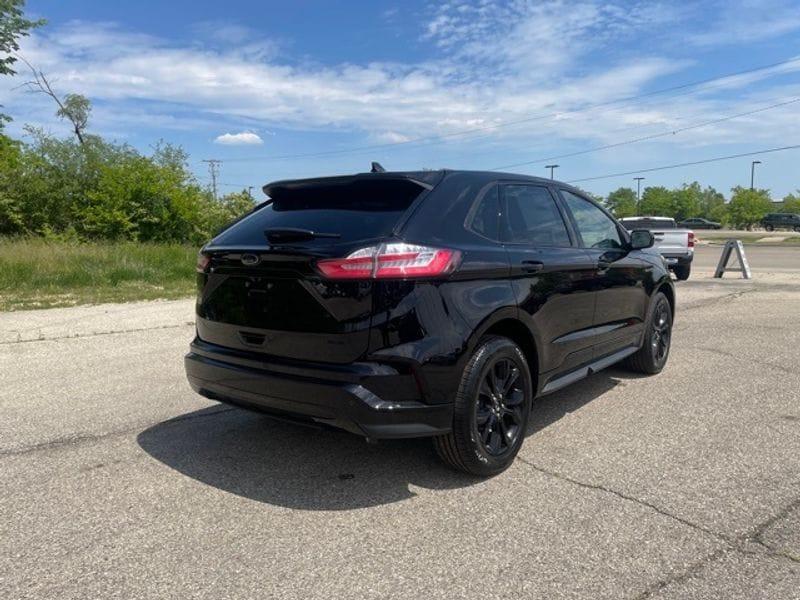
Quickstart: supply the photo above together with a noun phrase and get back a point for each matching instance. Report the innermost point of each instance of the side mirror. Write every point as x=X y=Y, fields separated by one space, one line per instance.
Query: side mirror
x=641 y=238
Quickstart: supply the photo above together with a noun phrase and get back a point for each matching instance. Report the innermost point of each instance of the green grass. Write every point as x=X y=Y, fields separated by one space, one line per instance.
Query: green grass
x=35 y=273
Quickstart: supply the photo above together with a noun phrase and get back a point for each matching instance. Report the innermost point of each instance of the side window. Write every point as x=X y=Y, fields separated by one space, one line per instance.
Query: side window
x=596 y=228
x=533 y=217
x=486 y=216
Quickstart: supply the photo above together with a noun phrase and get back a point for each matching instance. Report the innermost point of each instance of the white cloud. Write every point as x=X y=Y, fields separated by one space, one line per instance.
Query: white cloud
x=245 y=138
x=494 y=63
x=392 y=137
x=435 y=96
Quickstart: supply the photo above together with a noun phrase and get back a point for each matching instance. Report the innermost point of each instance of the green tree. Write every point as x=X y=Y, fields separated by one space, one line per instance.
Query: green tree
x=686 y=201
x=657 y=202
x=74 y=108
x=55 y=177
x=747 y=206
x=712 y=205
x=100 y=190
x=11 y=214
x=622 y=202
x=13 y=26
x=791 y=203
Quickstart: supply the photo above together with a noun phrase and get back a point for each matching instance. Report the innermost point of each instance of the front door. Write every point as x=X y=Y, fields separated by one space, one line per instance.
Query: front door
x=620 y=278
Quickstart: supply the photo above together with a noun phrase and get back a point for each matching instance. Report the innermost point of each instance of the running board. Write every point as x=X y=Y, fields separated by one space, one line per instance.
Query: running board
x=583 y=372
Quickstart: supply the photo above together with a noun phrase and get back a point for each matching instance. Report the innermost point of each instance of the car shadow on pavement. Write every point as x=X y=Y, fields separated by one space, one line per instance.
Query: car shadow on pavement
x=288 y=465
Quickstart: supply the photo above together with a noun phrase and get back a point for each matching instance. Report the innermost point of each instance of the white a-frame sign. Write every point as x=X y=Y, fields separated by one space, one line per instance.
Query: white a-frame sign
x=732 y=246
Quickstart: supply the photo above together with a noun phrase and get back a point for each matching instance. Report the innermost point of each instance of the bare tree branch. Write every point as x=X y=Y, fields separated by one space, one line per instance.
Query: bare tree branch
x=73 y=107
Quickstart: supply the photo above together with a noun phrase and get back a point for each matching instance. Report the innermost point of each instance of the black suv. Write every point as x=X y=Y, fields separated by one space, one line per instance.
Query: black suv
x=774 y=221
x=434 y=303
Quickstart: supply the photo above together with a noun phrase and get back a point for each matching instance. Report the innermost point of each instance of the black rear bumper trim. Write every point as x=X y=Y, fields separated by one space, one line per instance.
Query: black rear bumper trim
x=338 y=402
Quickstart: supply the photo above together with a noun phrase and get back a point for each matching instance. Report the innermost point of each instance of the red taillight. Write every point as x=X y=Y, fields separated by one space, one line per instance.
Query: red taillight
x=397 y=260
x=691 y=239
x=202 y=263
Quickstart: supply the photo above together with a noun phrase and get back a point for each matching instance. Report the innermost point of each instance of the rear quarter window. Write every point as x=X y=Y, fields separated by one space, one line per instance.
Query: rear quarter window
x=484 y=219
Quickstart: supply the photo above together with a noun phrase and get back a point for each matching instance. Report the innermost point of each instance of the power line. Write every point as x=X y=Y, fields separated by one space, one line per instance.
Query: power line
x=651 y=136
x=687 y=164
x=446 y=136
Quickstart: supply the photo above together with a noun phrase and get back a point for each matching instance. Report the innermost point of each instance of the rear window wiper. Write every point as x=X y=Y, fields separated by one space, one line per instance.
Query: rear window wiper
x=293 y=234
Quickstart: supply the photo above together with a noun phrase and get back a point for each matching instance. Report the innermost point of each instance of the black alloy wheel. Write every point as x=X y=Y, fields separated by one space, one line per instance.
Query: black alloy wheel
x=490 y=411
x=499 y=415
x=652 y=356
x=662 y=332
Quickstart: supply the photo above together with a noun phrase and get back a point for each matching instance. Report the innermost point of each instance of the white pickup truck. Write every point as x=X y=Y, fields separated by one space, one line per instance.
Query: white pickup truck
x=674 y=244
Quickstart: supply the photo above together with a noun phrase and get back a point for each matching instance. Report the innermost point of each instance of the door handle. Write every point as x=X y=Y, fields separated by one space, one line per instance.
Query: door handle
x=603 y=265
x=532 y=266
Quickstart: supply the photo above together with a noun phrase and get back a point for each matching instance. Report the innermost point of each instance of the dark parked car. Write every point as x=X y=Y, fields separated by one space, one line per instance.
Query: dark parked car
x=774 y=221
x=435 y=303
x=699 y=223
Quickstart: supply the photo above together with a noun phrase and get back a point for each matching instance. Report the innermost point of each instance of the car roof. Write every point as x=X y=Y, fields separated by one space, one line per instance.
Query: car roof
x=427 y=179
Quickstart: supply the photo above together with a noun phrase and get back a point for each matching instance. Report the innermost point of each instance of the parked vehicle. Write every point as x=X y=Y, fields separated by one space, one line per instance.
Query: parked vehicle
x=436 y=303
x=774 y=221
x=699 y=223
x=674 y=244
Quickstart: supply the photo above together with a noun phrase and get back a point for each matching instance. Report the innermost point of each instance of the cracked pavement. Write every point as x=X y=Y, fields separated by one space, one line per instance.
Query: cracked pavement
x=119 y=482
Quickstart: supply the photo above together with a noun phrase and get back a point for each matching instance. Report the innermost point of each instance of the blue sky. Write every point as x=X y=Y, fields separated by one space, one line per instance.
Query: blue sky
x=258 y=83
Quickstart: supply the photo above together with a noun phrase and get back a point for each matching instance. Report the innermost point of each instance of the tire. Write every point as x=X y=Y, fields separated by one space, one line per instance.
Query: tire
x=652 y=356
x=797 y=228
x=488 y=430
x=682 y=272
x=769 y=227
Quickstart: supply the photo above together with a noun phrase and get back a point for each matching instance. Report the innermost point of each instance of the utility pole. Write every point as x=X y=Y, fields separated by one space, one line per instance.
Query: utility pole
x=552 y=168
x=213 y=170
x=250 y=191
x=638 y=194
x=753 y=172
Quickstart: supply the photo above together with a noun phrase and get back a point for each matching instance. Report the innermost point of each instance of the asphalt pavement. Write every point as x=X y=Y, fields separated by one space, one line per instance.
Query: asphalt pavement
x=118 y=482
x=763 y=259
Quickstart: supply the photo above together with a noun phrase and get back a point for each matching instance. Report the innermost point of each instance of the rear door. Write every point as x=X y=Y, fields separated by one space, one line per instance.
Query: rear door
x=619 y=277
x=551 y=276
x=261 y=291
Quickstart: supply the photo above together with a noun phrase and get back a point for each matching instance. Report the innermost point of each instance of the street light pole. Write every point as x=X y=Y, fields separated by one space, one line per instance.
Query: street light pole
x=638 y=193
x=753 y=172
x=552 y=168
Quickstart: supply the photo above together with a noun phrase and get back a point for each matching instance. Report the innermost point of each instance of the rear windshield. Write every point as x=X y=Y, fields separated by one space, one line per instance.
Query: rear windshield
x=355 y=210
x=633 y=224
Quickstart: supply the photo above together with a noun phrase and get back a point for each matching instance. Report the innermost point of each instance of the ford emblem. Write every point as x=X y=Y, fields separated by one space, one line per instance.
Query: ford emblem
x=250 y=260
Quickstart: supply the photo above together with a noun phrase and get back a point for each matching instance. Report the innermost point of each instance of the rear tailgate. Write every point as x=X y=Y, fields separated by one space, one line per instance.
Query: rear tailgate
x=266 y=296
x=672 y=241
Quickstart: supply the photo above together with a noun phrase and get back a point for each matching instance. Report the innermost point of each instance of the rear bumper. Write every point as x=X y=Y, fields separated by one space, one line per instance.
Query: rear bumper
x=341 y=396
x=678 y=259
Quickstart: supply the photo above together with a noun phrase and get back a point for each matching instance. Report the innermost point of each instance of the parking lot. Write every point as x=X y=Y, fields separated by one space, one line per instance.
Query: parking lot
x=118 y=481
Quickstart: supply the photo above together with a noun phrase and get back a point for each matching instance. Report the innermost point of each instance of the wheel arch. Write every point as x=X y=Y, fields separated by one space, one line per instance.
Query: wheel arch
x=519 y=333
x=666 y=287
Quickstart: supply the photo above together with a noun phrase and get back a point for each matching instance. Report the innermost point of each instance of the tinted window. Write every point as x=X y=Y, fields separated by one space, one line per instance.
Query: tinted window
x=486 y=218
x=533 y=217
x=354 y=210
x=596 y=228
